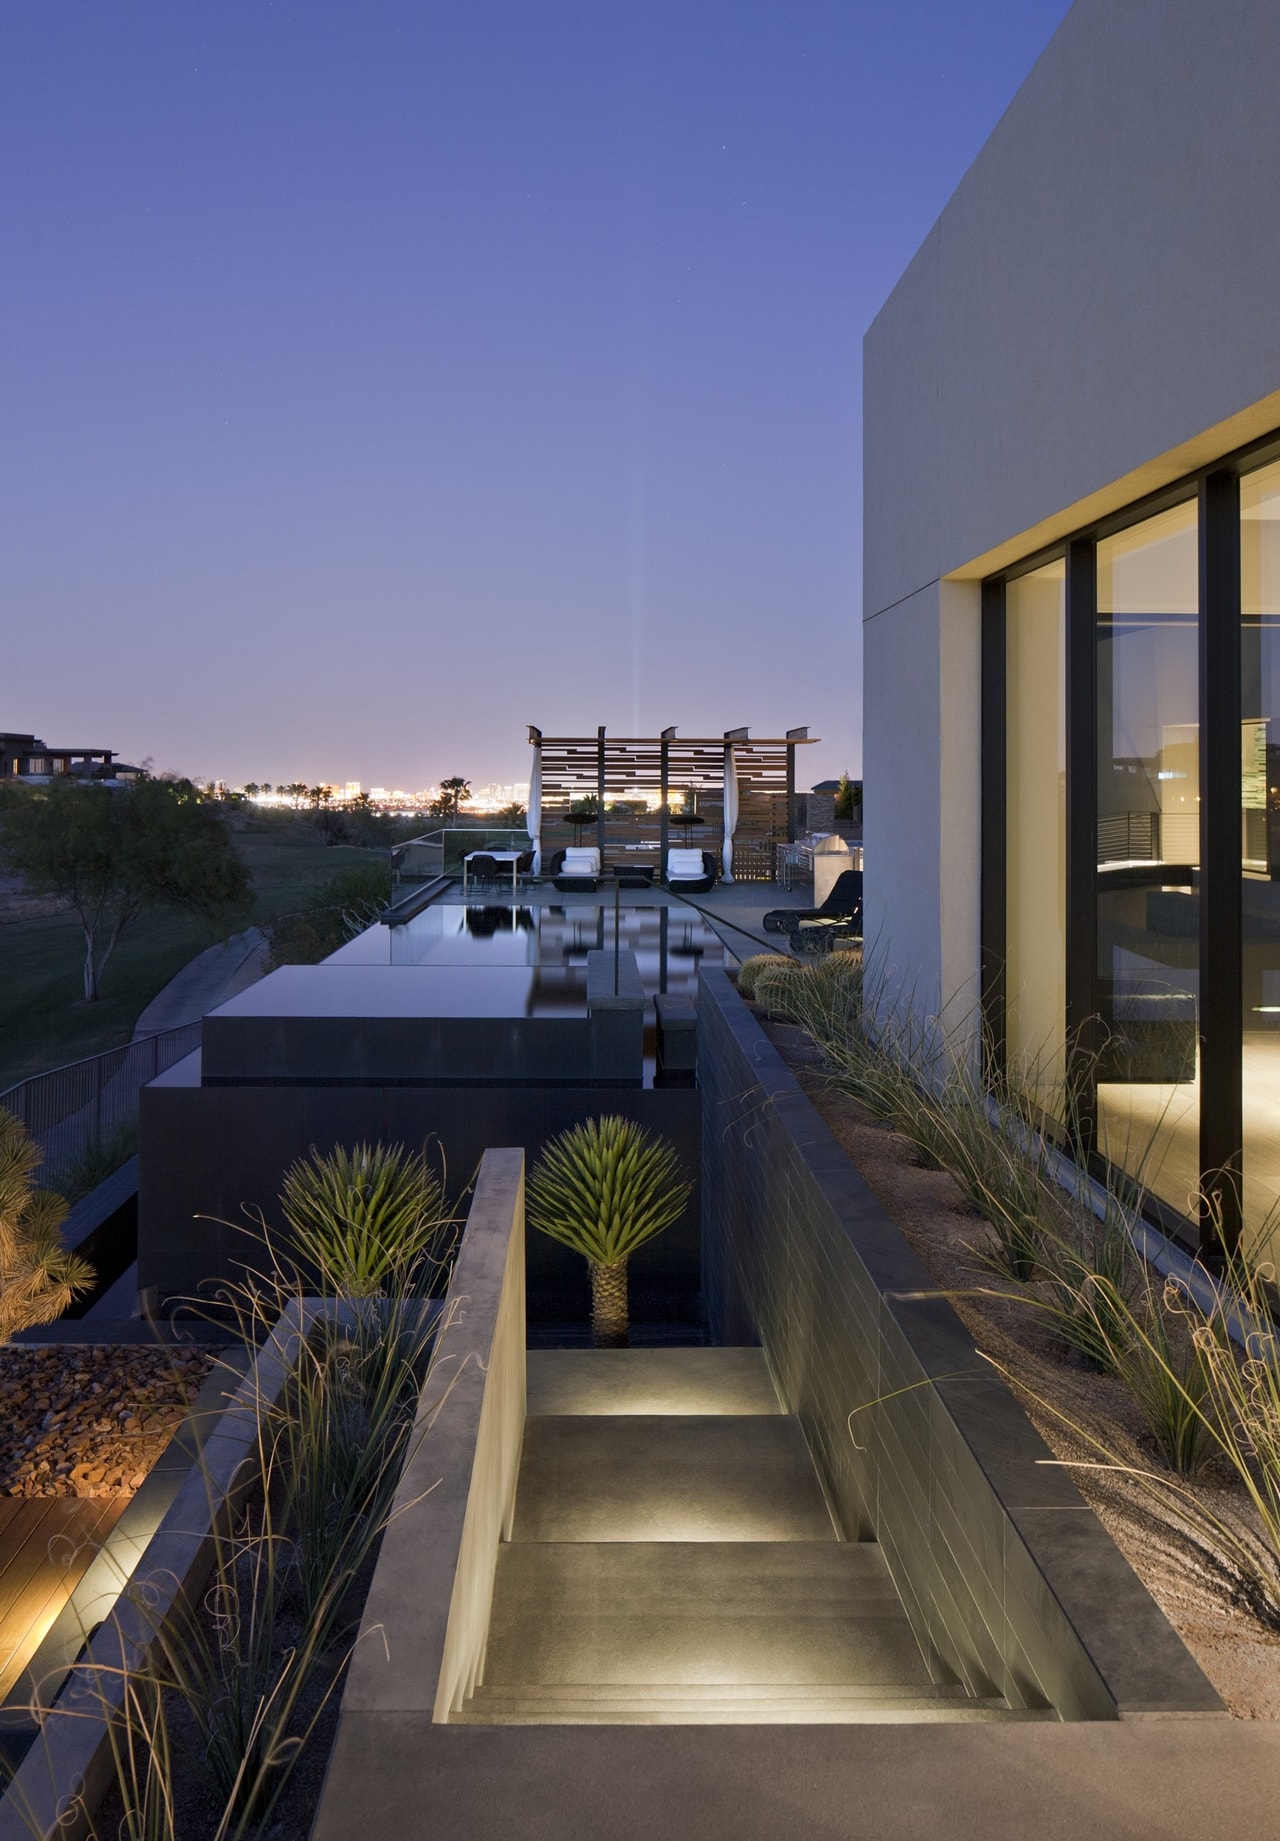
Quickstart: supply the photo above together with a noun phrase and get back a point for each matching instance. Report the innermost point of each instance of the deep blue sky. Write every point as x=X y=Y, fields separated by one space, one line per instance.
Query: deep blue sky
x=380 y=377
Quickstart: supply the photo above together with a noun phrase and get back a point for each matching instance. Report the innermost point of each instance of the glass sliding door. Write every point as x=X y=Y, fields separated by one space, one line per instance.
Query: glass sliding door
x=1035 y=828
x=1149 y=852
x=1260 y=847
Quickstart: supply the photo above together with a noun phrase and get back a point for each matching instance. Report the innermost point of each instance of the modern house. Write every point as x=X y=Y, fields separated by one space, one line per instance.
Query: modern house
x=33 y=761
x=1072 y=601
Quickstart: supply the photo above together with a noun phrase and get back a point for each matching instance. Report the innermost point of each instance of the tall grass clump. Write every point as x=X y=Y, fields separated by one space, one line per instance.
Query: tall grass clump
x=207 y=1728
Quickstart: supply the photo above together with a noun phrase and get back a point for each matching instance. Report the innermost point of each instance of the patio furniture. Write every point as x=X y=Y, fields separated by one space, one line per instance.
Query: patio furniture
x=690 y=872
x=578 y=867
x=483 y=866
x=631 y=875
x=841 y=910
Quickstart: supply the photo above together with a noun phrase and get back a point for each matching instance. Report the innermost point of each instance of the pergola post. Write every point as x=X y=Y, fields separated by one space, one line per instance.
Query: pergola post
x=664 y=817
x=600 y=780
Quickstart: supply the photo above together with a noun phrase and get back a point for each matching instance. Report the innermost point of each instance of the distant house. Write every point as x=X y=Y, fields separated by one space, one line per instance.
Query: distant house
x=26 y=757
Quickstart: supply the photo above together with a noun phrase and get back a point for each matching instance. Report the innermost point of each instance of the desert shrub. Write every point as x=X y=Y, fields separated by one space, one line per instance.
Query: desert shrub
x=39 y=1278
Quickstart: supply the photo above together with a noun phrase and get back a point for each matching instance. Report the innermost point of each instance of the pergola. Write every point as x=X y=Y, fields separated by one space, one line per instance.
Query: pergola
x=696 y=773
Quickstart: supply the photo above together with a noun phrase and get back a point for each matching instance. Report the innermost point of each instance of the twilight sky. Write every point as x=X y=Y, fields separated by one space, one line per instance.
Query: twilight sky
x=381 y=376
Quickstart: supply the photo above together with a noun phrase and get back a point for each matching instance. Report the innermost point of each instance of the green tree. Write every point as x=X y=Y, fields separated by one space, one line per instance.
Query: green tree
x=604 y=1188
x=112 y=854
x=448 y=801
x=848 y=797
x=38 y=1276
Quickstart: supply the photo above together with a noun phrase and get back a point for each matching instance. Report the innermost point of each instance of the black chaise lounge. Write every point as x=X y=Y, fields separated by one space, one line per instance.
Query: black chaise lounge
x=839 y=917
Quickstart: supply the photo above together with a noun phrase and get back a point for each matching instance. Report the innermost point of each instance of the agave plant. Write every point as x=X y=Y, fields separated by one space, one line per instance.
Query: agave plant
x=38 y=1276
x=604 y=1188
x=367 y=1220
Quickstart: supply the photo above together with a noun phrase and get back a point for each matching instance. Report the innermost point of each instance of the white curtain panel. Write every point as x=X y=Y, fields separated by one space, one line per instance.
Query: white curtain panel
x=535 y=811
x=730 y=811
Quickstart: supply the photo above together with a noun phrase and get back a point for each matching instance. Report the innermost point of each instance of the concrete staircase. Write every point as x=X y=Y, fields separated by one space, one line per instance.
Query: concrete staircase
x=673 y=1561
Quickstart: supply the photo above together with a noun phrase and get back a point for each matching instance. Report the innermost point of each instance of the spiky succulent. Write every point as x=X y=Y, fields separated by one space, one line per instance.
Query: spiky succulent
x=605 y=1187
x=365 y=1218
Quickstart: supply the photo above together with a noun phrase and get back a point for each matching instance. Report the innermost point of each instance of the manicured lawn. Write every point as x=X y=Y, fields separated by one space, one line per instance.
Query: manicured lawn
x=44 y=1020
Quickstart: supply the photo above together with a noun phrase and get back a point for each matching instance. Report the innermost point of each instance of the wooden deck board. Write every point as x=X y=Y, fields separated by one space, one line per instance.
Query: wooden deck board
x=45 y=1550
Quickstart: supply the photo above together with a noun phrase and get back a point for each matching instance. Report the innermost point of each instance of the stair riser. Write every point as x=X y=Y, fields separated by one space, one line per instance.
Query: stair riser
x=875 y=1715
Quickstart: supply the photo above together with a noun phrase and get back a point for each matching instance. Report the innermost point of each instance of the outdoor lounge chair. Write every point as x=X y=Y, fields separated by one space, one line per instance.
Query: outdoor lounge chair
x=576 y=868
x=690 y=872
x=840 y=915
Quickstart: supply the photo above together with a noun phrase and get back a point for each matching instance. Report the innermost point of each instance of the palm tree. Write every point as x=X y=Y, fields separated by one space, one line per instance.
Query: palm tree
x=604 y=1188
x=38 y=1276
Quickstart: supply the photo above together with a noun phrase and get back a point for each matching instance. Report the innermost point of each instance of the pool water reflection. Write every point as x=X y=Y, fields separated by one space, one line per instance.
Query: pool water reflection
x=670 y=944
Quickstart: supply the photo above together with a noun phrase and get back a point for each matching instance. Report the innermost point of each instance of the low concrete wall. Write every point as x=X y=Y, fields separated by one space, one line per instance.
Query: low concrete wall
x=1011 y=1583
x=64 y=1776
x=426 y=1619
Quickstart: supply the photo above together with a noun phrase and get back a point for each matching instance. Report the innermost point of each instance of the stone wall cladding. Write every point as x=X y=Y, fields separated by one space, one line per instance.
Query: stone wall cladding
x=1011 y=1583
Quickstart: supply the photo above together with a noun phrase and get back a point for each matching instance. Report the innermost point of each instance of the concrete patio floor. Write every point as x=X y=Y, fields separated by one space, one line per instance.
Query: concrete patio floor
x=1148 y=1780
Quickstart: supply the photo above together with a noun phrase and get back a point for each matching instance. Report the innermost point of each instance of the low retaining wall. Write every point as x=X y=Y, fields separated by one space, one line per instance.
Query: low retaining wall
x=426 y=1619
x=1011 y=1583
x=68 y=1768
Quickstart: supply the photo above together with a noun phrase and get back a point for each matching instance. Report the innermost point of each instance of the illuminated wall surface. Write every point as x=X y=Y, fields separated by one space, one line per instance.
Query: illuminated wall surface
x=1071 y=595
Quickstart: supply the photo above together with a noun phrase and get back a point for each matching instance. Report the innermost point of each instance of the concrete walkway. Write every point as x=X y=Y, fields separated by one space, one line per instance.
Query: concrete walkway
x=673 y=1562
x=211 y=977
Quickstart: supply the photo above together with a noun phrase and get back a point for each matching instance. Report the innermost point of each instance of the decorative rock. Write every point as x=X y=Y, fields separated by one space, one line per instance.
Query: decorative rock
x=90 y=1422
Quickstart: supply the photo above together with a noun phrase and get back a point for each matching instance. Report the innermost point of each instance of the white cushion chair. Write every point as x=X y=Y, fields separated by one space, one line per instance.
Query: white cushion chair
x=687 y=870
x=580 y=869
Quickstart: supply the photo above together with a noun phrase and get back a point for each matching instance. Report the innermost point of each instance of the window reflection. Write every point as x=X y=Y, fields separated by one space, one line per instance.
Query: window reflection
x=1260 y=840
x=1036 y=760
x=1149 y=851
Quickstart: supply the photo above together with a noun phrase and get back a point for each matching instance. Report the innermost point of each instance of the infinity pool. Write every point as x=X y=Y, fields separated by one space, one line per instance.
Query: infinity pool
x=550 y=942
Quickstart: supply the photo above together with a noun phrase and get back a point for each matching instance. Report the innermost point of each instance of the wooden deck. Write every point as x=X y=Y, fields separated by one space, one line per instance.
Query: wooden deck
x=46 y=1545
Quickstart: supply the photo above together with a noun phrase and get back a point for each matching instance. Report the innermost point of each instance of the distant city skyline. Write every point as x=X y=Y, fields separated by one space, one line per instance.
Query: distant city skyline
x=381 y=379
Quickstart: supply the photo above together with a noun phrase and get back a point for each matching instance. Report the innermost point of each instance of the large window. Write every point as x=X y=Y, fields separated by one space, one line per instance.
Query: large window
x=1131 y=842
x=1035 y=833
x=1260 y=841
x=1148 y=816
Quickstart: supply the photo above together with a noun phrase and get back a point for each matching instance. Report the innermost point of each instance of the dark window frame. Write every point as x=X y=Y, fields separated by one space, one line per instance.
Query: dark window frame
x=1216 y=489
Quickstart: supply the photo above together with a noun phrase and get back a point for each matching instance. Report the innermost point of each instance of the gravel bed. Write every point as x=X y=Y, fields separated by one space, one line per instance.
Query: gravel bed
x=91 y=1421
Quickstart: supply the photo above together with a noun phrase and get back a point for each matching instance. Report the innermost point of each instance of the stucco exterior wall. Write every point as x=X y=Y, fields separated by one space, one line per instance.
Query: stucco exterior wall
x=1092 y=316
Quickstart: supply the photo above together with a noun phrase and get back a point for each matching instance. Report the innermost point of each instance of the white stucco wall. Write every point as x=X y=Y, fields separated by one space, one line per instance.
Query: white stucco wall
x=1094 y=314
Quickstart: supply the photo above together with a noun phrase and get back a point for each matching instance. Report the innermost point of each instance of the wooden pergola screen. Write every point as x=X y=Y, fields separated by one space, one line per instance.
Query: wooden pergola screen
x=675 y=773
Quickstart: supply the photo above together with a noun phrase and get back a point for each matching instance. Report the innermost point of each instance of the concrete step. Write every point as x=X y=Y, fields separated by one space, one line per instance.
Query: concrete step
x=780 y=1705
x=732 y=1613
x=678 y=1382
x=656 y=1477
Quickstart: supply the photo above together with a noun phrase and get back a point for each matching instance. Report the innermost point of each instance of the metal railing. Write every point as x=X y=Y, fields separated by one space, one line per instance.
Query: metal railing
x=440 y=853
x=88 y=1102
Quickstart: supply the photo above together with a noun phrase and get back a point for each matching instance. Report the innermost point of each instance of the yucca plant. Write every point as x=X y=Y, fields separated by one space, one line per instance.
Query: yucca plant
x=38 y=1276
x=604 y=1188
x=368 y=1221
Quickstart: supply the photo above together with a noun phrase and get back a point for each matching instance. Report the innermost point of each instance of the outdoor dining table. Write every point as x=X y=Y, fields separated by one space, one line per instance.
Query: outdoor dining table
x=497 y=856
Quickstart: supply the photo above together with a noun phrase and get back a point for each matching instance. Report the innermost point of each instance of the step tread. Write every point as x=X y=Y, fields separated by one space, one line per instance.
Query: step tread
x=676 y=1382
x=654 y=1477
